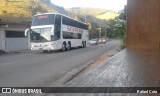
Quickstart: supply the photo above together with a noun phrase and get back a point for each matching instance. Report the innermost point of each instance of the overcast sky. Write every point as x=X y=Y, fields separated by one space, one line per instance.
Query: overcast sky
x=114 y=5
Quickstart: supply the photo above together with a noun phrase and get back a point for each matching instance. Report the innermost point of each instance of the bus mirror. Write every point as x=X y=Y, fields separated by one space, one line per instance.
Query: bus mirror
x=26 y=32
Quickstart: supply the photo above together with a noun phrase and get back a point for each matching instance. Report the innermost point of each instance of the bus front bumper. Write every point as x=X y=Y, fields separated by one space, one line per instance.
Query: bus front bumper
x=33 y=47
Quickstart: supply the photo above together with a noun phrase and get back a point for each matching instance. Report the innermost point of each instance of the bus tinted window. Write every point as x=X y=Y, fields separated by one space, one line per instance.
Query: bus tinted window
x=70 y=35
x=74 y=23
x=46 y=19
x=57 y=28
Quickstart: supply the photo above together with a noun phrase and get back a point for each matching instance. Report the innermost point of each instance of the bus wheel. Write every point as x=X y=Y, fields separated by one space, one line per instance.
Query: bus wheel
x=45 y=51
x=83 y=44
x=63 y=47
x=69 y=46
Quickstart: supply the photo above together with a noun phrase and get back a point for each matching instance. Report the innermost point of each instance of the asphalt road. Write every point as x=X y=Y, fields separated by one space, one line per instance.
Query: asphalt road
x=36 y=69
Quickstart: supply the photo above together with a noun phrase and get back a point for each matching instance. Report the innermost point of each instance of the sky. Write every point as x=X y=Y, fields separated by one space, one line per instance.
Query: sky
x=114 y=5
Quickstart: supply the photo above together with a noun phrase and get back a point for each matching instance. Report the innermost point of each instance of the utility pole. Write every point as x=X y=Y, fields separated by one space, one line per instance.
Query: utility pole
x=85 y=20
x=105 y=34
x=100 y=29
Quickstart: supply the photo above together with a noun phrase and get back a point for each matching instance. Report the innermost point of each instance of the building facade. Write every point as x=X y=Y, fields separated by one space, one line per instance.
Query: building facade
x=12 y=37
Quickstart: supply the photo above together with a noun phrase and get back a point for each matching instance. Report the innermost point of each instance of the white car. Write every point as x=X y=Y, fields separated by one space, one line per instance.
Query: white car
x=102 y=40
x=93 y=42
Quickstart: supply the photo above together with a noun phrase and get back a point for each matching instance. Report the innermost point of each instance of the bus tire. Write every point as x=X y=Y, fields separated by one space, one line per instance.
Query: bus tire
x=63 y=47
x=69 y=46
x=82 y=44
x=45 y=51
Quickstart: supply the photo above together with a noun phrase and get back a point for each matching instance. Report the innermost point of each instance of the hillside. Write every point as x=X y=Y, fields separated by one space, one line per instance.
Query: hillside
x=107 y=15
x=54 y=7
x=21 y=11
x=95 y=12
x=95 y=18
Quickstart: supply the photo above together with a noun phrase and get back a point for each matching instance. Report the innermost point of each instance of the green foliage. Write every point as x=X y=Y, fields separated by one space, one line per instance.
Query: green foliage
x=4 y=11
x=122 y=15
x=93 y=31
x=117 y=29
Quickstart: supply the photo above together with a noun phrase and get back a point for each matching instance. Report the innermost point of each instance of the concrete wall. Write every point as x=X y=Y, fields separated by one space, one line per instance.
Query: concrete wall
x=19 y=43
x=143 y=24
x=2 y=39
x=17 y=27
x=16 y=44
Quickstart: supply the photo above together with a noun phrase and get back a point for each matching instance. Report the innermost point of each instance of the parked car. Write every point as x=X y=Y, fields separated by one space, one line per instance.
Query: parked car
x=93 y=42
x=101 y=40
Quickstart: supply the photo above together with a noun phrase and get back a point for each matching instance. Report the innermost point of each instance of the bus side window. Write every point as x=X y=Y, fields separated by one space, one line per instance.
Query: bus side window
x=57 y=27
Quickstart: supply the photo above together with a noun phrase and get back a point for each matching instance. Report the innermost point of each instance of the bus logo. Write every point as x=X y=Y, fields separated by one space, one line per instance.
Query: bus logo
x=6 y=90
x=42 y=16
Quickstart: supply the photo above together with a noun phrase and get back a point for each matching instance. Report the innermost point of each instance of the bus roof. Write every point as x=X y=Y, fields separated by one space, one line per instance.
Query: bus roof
x=61 y=15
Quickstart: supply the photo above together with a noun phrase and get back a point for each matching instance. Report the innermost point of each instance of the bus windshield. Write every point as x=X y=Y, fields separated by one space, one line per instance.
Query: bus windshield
x=45 y=19
x=41 y=35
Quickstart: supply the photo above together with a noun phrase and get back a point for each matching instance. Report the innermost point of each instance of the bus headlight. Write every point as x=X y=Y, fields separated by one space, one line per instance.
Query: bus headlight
x=32 y=46
x=51 y=46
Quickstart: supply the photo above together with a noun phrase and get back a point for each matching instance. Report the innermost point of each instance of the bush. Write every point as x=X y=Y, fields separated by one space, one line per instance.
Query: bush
x=118 y=30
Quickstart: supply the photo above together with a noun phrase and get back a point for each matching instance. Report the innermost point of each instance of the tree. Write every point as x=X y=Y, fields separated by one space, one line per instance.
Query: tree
x=117 y=29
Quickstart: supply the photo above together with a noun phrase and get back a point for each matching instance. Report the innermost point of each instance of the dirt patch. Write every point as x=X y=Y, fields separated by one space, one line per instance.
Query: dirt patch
x=99 y=61
x=102 y=59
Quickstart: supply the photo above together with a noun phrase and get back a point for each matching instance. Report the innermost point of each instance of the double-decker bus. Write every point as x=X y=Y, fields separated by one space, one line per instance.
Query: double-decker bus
x=54 y=31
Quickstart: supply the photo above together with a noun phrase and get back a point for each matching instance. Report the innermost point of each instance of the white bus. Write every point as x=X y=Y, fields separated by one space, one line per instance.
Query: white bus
x=54 y=31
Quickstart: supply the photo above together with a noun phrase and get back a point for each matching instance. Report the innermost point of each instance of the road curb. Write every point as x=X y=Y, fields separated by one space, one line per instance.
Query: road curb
x=70 y=75
x=75 y=72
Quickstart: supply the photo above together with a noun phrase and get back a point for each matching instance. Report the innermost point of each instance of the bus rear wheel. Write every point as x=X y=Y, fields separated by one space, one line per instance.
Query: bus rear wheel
x=83 y=44
x=45 y=51
x=63 y=47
